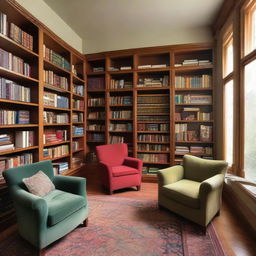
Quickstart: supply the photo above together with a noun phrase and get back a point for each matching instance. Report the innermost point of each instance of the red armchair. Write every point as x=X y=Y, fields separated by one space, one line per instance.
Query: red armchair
x=118 y=170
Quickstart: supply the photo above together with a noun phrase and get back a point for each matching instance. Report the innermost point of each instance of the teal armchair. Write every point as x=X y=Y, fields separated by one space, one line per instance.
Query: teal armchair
x=193 y=190
x=43 y=220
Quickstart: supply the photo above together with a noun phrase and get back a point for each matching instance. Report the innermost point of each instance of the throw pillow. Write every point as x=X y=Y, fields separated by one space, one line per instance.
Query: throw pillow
x=39 y=184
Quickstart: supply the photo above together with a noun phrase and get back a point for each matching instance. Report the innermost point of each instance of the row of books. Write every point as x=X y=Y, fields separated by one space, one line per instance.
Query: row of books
x=153 y=99
x=96 y=83
x=93 y=102
x=154 y=81
x=51 y=78
x=152 y=66
x=116 y=139
x=15 y=33
x=193 y=115
x=122 y=114
x=153 y=118
x=77 y=117
x=78 y=104
x=193 y=99
x=75 y=145
x=120 y=68
x=15 y=161
x=155 y=110
x=153 y=127
x=76 y=162
x=153 y=138
x=78 y=130
x=56 y=151
x=54 y=136
x=60 y=167
x=95 y=127
x=203 y=81
x=204 y=133
x=8 y=117
x=96 y=115
x=24 y=139
x=55 y=58
x=78 y=89
x=153 y=147
x=6 y=142
x=120 y=84
x=14 y=63
x=120 y=127
x=193 y=150
x=55 y=118
x=98 y=69
x=161 y=158
x=120 y=100
x=13 y=91
x=193 y=62
x=55 y=100
x=149 y=170
x=98 y=137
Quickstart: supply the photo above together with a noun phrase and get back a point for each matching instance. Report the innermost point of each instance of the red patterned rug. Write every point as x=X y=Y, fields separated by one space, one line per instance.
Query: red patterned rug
x=127 y=227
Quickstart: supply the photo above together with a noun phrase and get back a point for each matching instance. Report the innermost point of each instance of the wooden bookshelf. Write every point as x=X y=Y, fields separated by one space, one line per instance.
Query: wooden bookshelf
x=152 y=72
x=33 y=80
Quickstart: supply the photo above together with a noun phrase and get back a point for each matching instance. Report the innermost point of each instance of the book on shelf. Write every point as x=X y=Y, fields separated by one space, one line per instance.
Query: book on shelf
x=125 y=68
x=161 y=158
x=78 y=104
x=24 y=139
x=94 y=102
x=206 y=133
x=120 y=84
x=55 y=58
x=97 y=137
x=193 y=62
x=51 y=78
x=54 y=136
x=96 y=115
x=122 y=114
x=73 y=69
x=14 y=63
x=3 y=24
x=152 y=118
x=153 y=147
x=199 y=81
x=154 y=81
x=95 y=83
x=116 y=139
x=6 y=142
x=12 y=91
x=55 y=100
x=76 y=162
x=153 y=127
x=95 y=127
x=75 y=145
x=8 y=117
x=78 y=130
x=120 y=100
x=152 y=66
x=193 y=115
x=60 y=167
x=98 y=69
x=153 y=138
x=77 y=117
x=78 y=89
x=153 y=170
x=193 y=99
x=55 y=118
x=56 y=151
x=120 y=127
x=153 y=99
x=113 y=69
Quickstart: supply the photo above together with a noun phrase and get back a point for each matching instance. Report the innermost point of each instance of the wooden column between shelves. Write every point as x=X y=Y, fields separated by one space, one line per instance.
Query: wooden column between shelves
x=172 y=109
x=71 y=114
x=85 y=110
x=40 y=95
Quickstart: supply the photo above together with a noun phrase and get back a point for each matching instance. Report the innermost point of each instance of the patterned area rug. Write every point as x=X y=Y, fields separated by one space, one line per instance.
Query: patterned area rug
x=127 y=227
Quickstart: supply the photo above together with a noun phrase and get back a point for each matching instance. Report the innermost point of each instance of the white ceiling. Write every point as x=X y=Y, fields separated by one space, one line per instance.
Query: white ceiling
x=101 y=20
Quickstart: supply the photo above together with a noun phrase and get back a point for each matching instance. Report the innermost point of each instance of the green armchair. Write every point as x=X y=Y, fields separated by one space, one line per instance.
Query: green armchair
x=43 y=220
x=193 y=190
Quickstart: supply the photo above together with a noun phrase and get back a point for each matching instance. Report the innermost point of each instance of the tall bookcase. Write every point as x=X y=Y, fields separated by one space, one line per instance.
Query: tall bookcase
x=42 y=99
x=158 y=100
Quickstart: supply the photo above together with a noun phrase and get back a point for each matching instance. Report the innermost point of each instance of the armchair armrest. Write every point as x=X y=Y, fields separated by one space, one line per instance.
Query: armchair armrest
x=210 y=184
x=133 y=162
x=170 y=175
x=75 y=185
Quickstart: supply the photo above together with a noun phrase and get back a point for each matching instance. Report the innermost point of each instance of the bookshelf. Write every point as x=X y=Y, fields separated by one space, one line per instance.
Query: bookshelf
x=42 y=99
x=164 y=88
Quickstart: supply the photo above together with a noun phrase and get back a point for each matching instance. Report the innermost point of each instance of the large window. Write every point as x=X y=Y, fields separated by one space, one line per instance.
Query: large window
x=250 y=120
x=228 y=66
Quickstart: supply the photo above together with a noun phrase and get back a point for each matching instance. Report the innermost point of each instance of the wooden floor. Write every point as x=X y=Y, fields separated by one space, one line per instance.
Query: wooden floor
x=232 y=232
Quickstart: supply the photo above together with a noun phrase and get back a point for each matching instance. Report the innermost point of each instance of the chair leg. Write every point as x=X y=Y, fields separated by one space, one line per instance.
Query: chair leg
x=41 y=252
x=138 y=188
x=85 y=222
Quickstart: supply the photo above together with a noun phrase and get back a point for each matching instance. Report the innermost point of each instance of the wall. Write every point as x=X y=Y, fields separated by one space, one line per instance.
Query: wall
x=132 y=40
x=48 y=17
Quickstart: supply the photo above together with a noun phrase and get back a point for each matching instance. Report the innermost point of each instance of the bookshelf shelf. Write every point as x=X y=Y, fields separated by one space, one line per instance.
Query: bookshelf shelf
x=19 y=126
x=95 y=131
x=77 y=136
x=146 y=70
x=55 y=88
x=78 y=96
x=193 y=89
x=153 y=88
x=56 y=124
x=77 y=110
x=194 y=121
x=55 y=108
x=164 y=163
x=193 y=104
x=155 y=152
x=58 y=157
x=120 y=131
x=120 y=90
x=17 y=150
x=19 y=102
x=77 y=79
x=160 y=132
x=56 y=143
x=55 y=68
x=78 y=150
x=95 y=73
x=153 y=142
x=195 y=142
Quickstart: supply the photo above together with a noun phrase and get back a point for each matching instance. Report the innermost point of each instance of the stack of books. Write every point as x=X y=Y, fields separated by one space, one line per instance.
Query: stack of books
x=94 y=102
x=120 y=100
x=77 y=117
x=152 y=66
x=8 y=117
x=54 y=100
x=51 y=78
x=154 y=82
x=95 y=127
x=24 y=139
x=78 y=104
x=54 y=136
x=55 y=118
x=193 y=62
x=96 y=115
x=153 y=147
x=60 y=167
x=3 y=24
x=78 y=130
x=153 y=127
x=56 y=151
x=120 y=84
x=15 y=161
x=98 y=69
x=6 y=142
x=193 y=99
x=78 y=89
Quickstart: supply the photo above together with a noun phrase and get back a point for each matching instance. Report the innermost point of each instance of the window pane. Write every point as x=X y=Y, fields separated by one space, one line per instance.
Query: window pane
x=228 y=54
x=229 y=121
x=229 y=58
x=250 y=121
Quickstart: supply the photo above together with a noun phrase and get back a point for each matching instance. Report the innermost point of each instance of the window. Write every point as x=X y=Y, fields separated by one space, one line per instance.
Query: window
x=250 y=120
x=228 y=64
x=229 y=121
x=250 y=27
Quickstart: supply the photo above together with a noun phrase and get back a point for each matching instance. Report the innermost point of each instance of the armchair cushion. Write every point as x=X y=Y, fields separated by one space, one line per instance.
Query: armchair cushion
x=61 y=205
x=39 y=184
x=122 y=170
x=184 y=191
